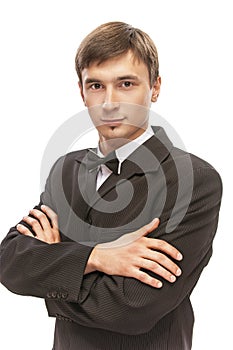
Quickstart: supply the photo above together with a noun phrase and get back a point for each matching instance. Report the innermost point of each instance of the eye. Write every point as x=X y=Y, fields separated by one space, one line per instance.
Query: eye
x=96 y=86
x=127 y=84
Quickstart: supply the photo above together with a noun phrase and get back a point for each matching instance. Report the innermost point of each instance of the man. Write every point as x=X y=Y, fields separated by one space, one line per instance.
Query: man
x=116 y=245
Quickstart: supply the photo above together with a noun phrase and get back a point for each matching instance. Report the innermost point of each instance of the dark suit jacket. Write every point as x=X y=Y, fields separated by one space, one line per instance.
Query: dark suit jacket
x=99 y=311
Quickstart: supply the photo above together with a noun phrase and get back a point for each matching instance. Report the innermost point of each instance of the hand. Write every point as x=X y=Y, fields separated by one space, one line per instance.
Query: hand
x=40 y=224
x=132 y=252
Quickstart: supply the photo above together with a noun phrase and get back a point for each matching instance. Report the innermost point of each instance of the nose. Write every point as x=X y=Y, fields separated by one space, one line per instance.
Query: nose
x=110 y=106
x=110 y=102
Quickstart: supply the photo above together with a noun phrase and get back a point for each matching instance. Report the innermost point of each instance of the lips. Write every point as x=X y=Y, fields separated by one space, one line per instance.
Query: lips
x=112 y=121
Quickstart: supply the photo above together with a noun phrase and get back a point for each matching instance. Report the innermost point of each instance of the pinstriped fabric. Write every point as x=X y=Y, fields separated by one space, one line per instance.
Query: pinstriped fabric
x=99 y=311
x=166 y=335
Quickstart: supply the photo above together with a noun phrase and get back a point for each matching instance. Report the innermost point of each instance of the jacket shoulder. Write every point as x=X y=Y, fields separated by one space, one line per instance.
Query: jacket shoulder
x=204 y=174
x=67 y=162
x=184 y=156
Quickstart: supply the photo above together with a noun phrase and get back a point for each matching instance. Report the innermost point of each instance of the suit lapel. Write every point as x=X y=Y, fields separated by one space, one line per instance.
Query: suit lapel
x=145 y=159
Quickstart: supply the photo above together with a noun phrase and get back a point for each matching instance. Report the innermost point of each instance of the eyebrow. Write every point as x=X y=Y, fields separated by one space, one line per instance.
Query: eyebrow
x=128 y=77
x=92 y=80
x=124 y=77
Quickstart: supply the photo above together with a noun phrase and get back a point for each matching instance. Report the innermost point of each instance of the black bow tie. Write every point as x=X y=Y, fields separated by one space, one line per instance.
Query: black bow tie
x=111 y=161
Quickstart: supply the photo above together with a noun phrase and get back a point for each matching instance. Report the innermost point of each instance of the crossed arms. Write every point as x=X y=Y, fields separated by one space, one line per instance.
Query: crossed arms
x=124 y=279
x=123 y=257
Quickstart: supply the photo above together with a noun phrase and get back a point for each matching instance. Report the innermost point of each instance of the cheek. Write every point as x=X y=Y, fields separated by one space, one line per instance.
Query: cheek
x=92 y=99
x=144 y=98
x=147 y=100
x=136 y=113
x=95 y=112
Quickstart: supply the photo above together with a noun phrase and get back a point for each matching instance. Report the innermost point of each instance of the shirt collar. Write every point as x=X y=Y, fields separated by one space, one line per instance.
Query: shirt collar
x=124 y=151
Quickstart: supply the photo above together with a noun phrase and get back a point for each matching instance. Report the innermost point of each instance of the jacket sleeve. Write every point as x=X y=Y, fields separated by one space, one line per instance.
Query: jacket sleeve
x=32 y=267
x=126 y=305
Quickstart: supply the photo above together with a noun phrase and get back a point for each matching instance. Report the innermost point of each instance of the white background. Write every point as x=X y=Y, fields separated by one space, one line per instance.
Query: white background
x=39 y=92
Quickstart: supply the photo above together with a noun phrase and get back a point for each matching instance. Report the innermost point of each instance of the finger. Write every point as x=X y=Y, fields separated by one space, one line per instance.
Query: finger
x=24 y=230
x=34 y=224
x=163 y=261
x=51 y=214
x=131 y=237
x=152 y=225
x=157 y=269
x=164 y=247
x=147 y=279
x=144 y=230
x=42 y=218
x=149 y=227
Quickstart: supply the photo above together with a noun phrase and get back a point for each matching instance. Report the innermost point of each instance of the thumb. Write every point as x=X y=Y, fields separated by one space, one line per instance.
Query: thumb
x=151 y=226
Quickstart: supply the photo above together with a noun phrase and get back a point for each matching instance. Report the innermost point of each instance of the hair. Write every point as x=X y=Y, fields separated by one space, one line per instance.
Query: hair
x=113 y=39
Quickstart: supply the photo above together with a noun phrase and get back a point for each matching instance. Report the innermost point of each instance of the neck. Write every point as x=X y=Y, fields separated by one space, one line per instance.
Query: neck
x=108 y=145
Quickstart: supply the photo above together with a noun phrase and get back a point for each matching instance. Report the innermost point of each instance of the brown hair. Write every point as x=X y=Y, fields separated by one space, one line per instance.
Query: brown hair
x=113 y=39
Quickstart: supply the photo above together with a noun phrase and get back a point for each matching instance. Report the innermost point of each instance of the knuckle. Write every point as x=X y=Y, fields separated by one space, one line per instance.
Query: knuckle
x=36 y=213
x=34 y=223
x=128 y=271
x=172 y=265
x=147 y=279
x=26 y=219
x=140 y=249
x=160 y=258
x=21 y=228
x=32 y=212
x=135 y=249
x=155 y=267
x=145 y=240
x=143 y=278
x=40 y=215
x=161 y=243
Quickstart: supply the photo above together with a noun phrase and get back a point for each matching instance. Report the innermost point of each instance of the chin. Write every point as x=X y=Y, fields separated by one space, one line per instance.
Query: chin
x=120 y=131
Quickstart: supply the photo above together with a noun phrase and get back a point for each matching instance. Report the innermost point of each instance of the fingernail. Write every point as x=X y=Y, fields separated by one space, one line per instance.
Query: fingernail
x=178 y=272
x=159 y=284
x=172 y=278
x=153 y=222
x=179 y=256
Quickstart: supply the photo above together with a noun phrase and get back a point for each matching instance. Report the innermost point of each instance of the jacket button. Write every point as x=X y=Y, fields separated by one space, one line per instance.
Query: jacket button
x=64 y=295
x=54 y=294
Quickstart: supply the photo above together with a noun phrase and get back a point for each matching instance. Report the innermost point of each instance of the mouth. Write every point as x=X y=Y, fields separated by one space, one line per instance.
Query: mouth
x=113 y=122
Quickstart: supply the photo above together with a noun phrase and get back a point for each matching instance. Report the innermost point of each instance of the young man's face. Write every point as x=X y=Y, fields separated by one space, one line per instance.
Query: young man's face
x=118 y=95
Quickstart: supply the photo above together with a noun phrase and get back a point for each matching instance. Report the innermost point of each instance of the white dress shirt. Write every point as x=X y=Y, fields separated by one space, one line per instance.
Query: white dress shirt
x=122 y=153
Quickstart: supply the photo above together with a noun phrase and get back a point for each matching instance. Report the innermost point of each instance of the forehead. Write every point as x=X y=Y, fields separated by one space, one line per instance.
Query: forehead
x=123 y=65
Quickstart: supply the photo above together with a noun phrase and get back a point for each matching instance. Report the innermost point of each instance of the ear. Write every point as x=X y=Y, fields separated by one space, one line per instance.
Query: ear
x=156 y=90
x=81 y=92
